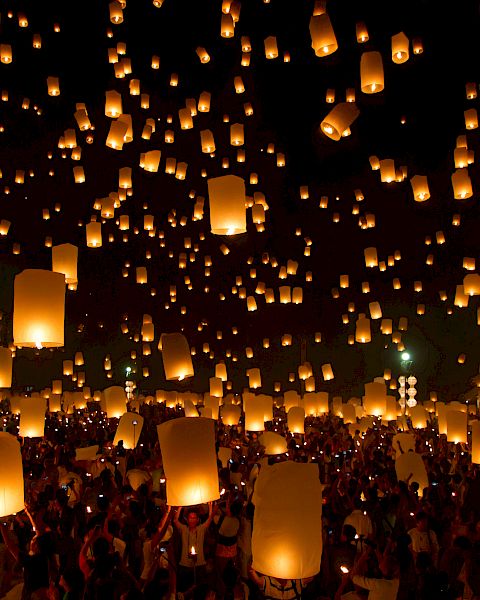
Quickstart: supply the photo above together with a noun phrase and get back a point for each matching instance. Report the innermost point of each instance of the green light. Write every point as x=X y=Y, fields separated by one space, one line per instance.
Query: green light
x=405 y=356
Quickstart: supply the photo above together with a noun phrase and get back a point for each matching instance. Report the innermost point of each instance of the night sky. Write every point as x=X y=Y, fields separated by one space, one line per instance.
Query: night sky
x=289 y=102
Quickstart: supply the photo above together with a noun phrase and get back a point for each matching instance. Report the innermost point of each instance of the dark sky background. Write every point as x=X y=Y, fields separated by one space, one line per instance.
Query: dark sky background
x=289 y=103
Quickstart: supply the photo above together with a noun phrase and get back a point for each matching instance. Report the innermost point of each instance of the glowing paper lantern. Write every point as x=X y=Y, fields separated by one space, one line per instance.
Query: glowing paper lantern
x=273 y=443
x=418 y=414
x=471 y=284
x=371 y=73
x=227 y=205
x=177 y=360
x=6 y=362
x=32 y=416
x=230 y=414
x=129 y=429
x=323 y=37
x=115 y=401
x=94 y=234
x=339 y=120
x=462 y=184
x=400 y=45
x=327 y=372
x=371 y=259
x=374 y=401
x=64 y=260
x=11 y=476
x=410 y=464
x=39 y=309
x=189 y=460
x=254 y=413
x=362 y=329
x=420 y=188
x=475 y=426
x=296 y=419
x=287 y=526
x=456 y=426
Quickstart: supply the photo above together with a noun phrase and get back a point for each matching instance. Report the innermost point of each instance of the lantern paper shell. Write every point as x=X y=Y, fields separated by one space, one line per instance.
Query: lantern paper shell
x=11 y=476
x=64 y=260
x=32 y=417
x=456 y=426
x=371 y=72
x=476 y=442
x=273 y=443
x=189 y=460
x=227 y=205
x=418 y=414
x=231 y=414
x=420 y=188
x=177 y=360
x=296 y=419
x=115 y=401
x=400 y=46
x=375 y=399
x=254 y=413
x=86 y=453
x=287 y=526
x=39 y=309
x=339 y=120
x=129 y=429
x=323 y=37
x=411 y=463
x=6 y=362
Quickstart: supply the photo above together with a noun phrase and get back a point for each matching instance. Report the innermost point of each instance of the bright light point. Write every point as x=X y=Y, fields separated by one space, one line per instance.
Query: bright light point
x=405 y=356
x=328 y=129
x=38 y=344
x=230 y=231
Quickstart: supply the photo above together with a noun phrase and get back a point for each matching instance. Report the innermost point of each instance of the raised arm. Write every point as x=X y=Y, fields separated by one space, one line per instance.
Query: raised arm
x=176 y=520
x=210 y=515
x=162 y=528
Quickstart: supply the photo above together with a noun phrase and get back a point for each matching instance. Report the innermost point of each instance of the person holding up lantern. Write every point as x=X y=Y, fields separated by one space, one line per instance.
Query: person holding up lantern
x=192 y=564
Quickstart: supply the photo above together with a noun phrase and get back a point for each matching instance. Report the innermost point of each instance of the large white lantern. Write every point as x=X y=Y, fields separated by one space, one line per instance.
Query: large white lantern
x=287 y=526
x=177 y=361
x=129 y=429
x=189 y=460
x=11 y=476
x=39 y=309
x=227 y=205
x=32 y=416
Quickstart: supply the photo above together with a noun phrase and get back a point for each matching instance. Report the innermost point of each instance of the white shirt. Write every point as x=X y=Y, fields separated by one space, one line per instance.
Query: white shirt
x=379 y=589
x=424 y=541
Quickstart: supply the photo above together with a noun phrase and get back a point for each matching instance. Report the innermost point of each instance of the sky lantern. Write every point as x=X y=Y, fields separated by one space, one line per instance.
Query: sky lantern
x=230 y=414
x=53 y=86
x=6 y=362
x=323 y=37
x=410 y=466
x=420 y=188
x=287 y=526
x=475 y=426
x=177 y=360
x=39 y=309
x=374 y=401
x=129 y=429
x=227 y=205
x=6 y=54
x=115 y=401
x=371 y=72
x=471 y=284
x=32 y=416
x=462 y=185
x=11 y=476
x=64 y=260
x=94 y=234
x=273 y=443
x=296 y=419
x=271 y=48
x=254 y=413
x=400 y=44
x=113 y=104
x=362 y=329
x=189 y=460
x=456 y=426
x=361 y=32
x=339 y=120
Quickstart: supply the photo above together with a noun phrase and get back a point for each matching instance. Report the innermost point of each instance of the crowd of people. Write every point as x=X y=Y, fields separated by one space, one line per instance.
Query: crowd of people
x=101 y=529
